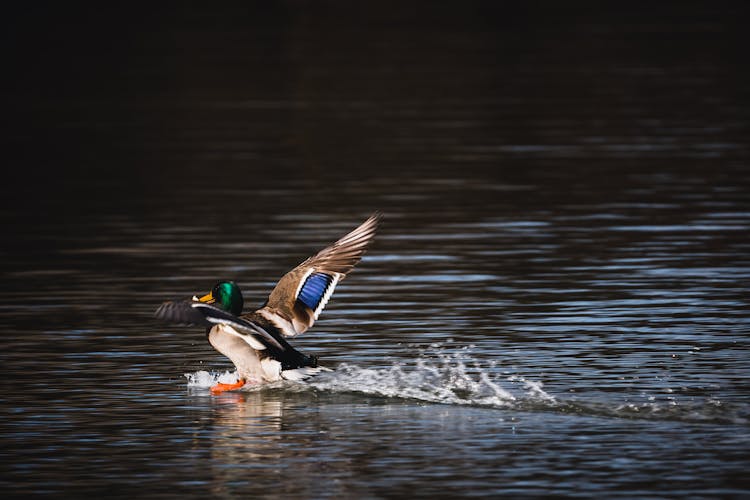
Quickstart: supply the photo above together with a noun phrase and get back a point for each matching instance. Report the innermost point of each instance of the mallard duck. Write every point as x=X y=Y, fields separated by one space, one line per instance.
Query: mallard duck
x=256 y=342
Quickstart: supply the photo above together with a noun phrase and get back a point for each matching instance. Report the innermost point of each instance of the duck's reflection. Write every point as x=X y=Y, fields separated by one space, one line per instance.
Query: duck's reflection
x=246 y=427
x=253 y=440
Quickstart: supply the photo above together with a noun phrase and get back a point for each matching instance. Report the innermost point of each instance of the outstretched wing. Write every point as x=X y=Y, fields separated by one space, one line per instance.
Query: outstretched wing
x=300 y=296
x=202 y=314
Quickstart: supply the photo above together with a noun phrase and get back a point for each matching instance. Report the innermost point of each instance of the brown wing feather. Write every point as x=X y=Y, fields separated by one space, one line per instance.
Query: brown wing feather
x=283 y=309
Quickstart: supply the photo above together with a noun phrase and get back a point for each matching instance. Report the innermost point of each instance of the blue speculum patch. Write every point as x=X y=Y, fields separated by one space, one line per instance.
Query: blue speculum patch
x=313 y=290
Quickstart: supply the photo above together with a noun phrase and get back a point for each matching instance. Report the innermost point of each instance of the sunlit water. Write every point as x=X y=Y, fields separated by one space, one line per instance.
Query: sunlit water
x=556 y=302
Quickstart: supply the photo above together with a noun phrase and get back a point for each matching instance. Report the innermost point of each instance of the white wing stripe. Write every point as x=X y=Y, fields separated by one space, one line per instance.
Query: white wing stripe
x=326 y=297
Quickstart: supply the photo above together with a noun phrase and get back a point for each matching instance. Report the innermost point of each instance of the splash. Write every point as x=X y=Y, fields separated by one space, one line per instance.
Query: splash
x=436 y=376
x=424 y=383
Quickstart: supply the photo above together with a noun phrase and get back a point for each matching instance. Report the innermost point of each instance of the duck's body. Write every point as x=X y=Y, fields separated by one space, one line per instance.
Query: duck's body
x=258 y=362
x=256 y=342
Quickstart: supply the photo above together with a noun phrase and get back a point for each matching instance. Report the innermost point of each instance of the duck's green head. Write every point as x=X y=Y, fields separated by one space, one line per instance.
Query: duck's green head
x=227 y=295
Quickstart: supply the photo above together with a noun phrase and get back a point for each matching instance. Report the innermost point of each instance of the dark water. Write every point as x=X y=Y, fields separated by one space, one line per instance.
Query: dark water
x=556 y=304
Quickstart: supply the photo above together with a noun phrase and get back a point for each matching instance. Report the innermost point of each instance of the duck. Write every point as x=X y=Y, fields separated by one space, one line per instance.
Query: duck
x=256 y=342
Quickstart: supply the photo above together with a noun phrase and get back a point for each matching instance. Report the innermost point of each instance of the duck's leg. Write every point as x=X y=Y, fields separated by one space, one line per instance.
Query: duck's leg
x=221 y=387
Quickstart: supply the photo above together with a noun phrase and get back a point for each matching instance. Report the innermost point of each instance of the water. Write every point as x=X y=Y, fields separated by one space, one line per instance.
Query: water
x=556 y=303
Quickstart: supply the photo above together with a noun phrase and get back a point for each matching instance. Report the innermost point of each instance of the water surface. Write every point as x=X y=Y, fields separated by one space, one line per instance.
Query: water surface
x=556 y=303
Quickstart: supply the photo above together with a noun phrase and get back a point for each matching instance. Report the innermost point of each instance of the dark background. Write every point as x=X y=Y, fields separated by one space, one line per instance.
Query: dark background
x=251 y=94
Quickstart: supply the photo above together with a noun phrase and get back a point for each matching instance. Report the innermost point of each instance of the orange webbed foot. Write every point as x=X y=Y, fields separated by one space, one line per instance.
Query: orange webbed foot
x=221 y=387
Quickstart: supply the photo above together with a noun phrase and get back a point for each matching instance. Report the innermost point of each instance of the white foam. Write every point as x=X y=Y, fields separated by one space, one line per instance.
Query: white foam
x=447 y=384
x=534 y=389
x=204 y=380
